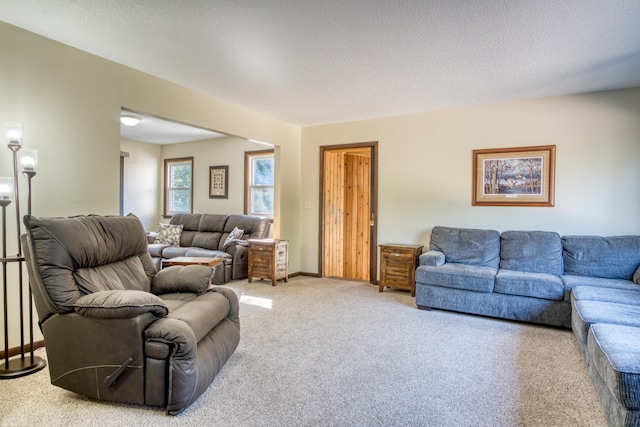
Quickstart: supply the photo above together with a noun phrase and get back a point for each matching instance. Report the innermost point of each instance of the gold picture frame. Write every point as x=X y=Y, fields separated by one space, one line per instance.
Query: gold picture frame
x=522 y=176
x=218 y=182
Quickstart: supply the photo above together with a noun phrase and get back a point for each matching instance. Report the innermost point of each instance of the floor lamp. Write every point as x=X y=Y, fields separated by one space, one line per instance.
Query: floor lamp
x=9 y=191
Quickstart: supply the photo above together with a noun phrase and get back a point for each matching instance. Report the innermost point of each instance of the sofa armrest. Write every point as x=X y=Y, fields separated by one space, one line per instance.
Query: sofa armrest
x=151 y=236
x=234 y=245
x=240 y=259
x=432 y=258
x=636 y=276
x=155 y=249
x=120 y=304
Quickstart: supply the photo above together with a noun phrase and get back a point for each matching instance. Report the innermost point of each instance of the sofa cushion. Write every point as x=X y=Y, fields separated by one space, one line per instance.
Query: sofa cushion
x=210 y=231
x=614 y=350
x=467 y=246
x=571 y=281
x=458 y=276
x=608 y=257
x=592 y=293
x=537 y=285
x=200 y=230
x=586 y=313
x=190 y=224
x=168 y=234
x=531 y=251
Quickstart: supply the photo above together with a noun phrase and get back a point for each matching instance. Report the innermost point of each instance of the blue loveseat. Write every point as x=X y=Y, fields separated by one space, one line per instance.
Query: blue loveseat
x=588 y=283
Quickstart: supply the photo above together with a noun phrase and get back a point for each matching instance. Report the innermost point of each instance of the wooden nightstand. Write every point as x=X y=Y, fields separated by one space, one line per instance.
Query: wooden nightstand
x=398 y=266
x=268 y=259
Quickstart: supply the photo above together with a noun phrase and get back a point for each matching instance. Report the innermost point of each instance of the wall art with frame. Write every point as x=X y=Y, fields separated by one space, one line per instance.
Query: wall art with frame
x=218 y=182
x=522 y=176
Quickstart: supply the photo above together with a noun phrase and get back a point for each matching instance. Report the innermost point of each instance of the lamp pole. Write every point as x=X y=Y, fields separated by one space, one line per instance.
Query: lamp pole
x=9 y=190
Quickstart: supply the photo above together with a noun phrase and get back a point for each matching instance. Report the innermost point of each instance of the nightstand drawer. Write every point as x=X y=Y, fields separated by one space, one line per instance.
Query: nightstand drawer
x=398 y=255
x=261 y=257
x=398 y=272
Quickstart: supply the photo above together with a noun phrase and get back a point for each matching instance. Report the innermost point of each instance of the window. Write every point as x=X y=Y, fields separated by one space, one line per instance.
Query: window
x=259 y=167
x=178 y=189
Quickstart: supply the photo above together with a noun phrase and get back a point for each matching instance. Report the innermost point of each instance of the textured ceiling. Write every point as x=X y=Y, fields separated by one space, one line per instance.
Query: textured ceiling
x=313 y=62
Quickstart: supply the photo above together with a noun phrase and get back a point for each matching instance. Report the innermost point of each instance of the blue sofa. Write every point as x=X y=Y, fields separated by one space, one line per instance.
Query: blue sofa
x=588 y=283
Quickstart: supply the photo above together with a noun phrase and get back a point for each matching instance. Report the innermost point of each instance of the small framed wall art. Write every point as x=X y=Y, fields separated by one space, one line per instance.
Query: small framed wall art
x=218 y=182
x=522 y=176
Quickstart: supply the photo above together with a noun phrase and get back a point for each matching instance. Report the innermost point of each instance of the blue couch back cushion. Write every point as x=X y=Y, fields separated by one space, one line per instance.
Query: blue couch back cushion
x=615 y=257
x=467 y=246
x=531 y=251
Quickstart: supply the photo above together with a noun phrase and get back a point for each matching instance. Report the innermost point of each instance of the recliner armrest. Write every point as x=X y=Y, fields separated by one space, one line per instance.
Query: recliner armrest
x=432 y=258
x=120 y=304
x=234 y=303
x=178 y=333
x=188 y=278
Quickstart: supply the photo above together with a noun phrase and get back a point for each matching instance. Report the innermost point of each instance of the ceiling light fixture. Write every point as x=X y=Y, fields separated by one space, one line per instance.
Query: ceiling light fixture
x=129 y=119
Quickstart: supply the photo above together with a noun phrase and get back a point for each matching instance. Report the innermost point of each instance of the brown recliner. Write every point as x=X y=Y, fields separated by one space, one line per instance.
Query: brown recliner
x=114 y=328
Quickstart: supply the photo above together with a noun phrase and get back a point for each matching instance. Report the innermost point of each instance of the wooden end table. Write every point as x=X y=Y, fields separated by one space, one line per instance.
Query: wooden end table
x=268 y=259
x=398 y=266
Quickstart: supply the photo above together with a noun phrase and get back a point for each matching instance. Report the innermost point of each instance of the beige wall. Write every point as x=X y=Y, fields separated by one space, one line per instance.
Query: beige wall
x=141 y=178
x=217 y=152
x=425 y=165
x=69 y=105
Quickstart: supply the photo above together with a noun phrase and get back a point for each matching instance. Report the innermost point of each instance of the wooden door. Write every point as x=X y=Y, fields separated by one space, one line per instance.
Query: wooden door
x=348 y=212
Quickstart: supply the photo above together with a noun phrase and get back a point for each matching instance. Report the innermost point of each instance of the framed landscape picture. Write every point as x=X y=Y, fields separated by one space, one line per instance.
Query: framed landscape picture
x=523 y=176
x=218 y=182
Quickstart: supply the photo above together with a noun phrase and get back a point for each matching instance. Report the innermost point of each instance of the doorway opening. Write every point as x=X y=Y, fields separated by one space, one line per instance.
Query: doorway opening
x=348 y=211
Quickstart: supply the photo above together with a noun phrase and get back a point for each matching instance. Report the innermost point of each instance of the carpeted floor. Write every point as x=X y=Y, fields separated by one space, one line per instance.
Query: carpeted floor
x=321 y=352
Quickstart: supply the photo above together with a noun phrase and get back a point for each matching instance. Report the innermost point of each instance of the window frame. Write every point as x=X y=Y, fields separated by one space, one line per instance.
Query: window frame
x=248 y=158
x=167 y=164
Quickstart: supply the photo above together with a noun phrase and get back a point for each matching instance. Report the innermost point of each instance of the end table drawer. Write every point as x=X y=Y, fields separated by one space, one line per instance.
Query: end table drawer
x=398 y=255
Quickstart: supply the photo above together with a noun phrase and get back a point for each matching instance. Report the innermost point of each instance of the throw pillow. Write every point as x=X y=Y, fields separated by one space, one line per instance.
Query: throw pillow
x=169 y=234
x=234 y=236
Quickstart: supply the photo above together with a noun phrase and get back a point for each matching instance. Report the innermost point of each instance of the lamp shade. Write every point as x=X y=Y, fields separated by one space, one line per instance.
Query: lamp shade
x=13 y=133
x=6 y=188
x=28 y=159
